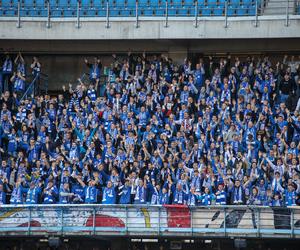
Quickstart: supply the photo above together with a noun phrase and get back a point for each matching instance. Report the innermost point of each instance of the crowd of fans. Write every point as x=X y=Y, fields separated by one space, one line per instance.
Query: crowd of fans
x=223 y=131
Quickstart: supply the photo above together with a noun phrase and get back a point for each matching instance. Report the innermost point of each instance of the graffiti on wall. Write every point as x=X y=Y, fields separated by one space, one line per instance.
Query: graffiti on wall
x=147 y=218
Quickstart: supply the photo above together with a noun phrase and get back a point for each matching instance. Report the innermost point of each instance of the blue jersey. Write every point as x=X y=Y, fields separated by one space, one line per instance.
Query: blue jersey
x=90 y=194
x=109 y=196
x=125 y=195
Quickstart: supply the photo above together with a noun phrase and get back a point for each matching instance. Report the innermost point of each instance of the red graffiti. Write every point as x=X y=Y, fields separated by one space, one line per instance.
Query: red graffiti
x=104 y=221
x=178 y=216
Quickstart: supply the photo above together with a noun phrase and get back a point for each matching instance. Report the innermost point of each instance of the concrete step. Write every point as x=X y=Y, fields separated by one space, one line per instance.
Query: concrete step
x=278 y=5
x=277 y=11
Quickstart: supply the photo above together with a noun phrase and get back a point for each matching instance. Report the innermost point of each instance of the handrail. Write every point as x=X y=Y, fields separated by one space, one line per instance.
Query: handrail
x=31 y=85
x=239 y=207
x=149 y=220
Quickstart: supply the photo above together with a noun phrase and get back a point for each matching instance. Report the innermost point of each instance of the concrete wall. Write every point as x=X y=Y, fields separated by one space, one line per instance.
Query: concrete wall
x=149 y=28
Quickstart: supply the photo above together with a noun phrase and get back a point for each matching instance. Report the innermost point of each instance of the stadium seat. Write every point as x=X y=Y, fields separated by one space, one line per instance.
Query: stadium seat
x=172 y=11
x=218 y=10
x=241 y=10
x=201 y=3
x=127 y=12
x=131 y=3
x=113 y=12
x=247 y=2
x=251 y=10
x=230 y=10
x=159 y=11
x=73 y=3
x=9 y=13
x=176 y=3
x=53 y=3
x=40 y=3
x=28 y=3
x=205 y=11
x=212 y=2
x=189 y=2
x=85 y=3
x=6 y=3
x=143 y=3
x=63 y=3
x=147 y=12
x=56 y=13
x=235 y=2
x=184 y=12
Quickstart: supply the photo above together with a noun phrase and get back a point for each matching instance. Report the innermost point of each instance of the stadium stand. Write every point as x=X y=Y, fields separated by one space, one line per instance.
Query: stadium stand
x=224 y=132
x=64 y=8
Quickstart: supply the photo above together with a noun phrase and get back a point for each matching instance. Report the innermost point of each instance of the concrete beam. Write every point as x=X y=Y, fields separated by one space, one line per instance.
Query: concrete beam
x=124 y=28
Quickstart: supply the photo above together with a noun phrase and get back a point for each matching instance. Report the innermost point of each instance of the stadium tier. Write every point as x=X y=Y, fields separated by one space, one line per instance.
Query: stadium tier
x=130 y=8
x=225 y=131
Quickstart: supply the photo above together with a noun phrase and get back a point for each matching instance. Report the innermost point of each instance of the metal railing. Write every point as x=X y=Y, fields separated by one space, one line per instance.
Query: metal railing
x=39 y=83
x=165 y=10
x=154 y=221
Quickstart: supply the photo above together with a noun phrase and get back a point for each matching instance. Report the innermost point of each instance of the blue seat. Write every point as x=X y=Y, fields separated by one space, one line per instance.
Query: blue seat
x=230 y=10
x=172 y=11
x=212 y=2
x=189 y=2
x=53 y=3
x=56 y=13
x=63 y=3
x=184 y=12
x=241 y=10
x=143 y=3
x=15 y=2
x=247 y=2
x=176 y=3
x=235 y=2
x=9 y=12
x=147 y=12
x=6 y=3
x=222 y=2
x=159 y=12
x=205 y=11
x=28 y=3
x=201 y=3
x=112 y=3
x=251 y=10
x=73 y=3
x=218 y=11
x=40 y=3
x=101 y=12
x=131 y=3
x=126 y=13
x=69 y=13
x=113 y=12
x=87 y=12
x=86 y=3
